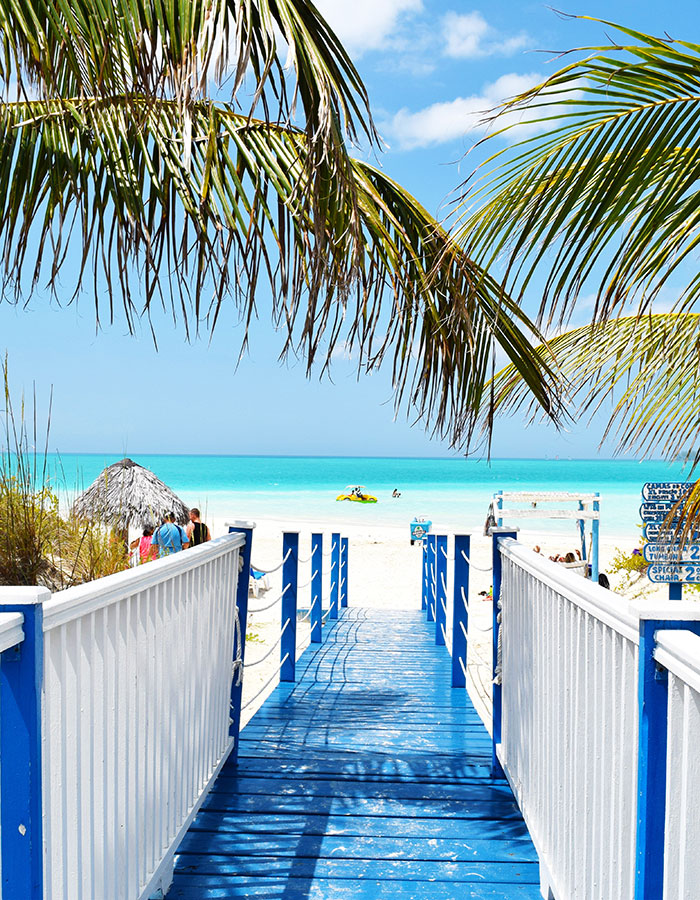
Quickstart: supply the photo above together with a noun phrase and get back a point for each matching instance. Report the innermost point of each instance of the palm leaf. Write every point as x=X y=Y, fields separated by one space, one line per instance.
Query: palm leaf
x=374 y=271
x=644 y=366
x=607 y=198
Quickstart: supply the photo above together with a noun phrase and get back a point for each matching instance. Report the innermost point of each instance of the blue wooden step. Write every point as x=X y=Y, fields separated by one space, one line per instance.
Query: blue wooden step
x=368 y=779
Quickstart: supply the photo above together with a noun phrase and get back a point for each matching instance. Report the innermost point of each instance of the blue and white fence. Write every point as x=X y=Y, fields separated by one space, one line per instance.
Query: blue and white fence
x=586 y=707
x=678 y=653
x=120 y=700
x=323 y=592
x=595 y=719
x=116 y=715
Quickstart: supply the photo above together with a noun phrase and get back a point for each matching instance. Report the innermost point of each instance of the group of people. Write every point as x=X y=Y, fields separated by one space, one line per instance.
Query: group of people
x=170 y=537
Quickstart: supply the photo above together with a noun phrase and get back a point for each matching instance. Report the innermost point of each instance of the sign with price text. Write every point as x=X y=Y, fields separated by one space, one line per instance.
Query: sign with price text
x=661 y=511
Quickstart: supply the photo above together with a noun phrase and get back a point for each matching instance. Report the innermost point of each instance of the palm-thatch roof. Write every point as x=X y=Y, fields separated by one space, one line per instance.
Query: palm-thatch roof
x=126 y=493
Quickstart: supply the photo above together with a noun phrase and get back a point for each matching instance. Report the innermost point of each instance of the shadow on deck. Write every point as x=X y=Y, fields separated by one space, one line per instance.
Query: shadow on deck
x=367 y=779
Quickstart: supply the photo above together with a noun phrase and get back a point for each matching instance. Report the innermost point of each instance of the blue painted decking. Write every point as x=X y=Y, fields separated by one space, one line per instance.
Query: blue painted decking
x=367 y=779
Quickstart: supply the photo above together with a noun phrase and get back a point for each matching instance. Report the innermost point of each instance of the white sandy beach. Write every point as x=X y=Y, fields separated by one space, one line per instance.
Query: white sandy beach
x=384 y=571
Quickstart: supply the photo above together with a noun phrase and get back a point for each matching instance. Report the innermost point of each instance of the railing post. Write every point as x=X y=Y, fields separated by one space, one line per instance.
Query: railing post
x=335 y=574
x=290 y=580
x=498 y=534
x=652 y=700
x=343 y=572
x=316 y=588
x=460 y=610
x=424 y=581
x=595 y=541
x=440 y=589
x=430 y=605
x=242 y=583
x=21 y=679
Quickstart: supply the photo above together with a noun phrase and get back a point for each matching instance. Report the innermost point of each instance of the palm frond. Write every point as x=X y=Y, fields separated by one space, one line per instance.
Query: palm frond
x=373 y=269
x=646 y=367
x=607 y=197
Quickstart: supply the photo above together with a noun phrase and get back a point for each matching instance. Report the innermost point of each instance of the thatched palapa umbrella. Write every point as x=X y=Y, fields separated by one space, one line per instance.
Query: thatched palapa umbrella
x=126 y=493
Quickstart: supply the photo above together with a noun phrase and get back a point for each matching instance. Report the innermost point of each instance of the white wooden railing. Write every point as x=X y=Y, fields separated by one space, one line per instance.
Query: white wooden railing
x=569 y=727
x=11 y=631
x=117 y=711
x=576 y=678
x=679 y=653
x=135 y=717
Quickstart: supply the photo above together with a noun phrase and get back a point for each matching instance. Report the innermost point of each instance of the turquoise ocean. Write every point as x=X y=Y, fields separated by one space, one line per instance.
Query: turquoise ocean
x=453 y=492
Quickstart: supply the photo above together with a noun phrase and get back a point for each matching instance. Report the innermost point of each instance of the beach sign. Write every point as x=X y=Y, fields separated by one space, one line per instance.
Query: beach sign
x=666 y=491
x=662 y=509
x=672 y=553
x=658 y=533
x=673 y=573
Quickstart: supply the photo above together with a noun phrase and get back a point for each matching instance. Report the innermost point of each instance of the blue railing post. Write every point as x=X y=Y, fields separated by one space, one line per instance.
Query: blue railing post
x=21 y=679
x=440 y=589
x=242 y=583
x=432 y=574
x=652 y=700
x=499 y=508
x=424 y=583
x=316 y=588
x=335 y=574
x=343 y=572
x=290 y=580
x=498 y=534
x=460 y=610
x=595 y=541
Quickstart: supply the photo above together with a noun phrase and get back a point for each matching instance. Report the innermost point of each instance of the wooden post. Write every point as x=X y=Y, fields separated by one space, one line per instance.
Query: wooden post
x=460 y=610
x=595 y=540
x=430 y=605
x=440 y=589
x=335 y=574
x=424 y=581
x=290 y=580
x=652 y=700
x=245 y=528
x=316 y=588
x=21 y=680
x=582 y=535
x=498 y=534
x=343 y=573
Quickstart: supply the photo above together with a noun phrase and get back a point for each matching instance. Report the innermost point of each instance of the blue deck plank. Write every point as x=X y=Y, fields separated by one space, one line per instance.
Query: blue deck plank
x=369 y=779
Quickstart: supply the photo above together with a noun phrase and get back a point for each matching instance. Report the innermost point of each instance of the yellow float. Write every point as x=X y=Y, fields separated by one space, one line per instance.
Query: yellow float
x=357 y=493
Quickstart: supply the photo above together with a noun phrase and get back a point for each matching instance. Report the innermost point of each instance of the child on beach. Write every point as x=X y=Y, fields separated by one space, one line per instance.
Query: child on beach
x=147 y=551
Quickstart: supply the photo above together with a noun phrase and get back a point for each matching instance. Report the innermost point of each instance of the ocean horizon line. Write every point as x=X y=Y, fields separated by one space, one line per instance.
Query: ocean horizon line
x=455 y=458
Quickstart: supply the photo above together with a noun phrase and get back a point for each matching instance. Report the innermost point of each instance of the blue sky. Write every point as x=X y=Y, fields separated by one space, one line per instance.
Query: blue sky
x=430 y=69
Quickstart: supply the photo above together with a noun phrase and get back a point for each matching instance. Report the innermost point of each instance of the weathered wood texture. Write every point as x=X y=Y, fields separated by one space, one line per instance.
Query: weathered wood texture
x=367 y=779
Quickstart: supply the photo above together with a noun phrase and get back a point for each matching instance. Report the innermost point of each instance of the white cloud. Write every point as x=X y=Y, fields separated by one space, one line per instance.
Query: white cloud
x=469 y=35
x=366 y=24
x=443 y=122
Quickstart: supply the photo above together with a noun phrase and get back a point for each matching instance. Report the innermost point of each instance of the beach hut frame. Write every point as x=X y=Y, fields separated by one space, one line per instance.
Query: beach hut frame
x=588 y=509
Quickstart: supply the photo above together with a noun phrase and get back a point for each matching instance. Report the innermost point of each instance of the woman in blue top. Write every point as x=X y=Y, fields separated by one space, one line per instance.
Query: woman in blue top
x=169 y=537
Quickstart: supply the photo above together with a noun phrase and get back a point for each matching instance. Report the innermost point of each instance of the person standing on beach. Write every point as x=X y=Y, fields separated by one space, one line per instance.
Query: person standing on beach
x=169 y=537
x=147 y=551
x=197 y=531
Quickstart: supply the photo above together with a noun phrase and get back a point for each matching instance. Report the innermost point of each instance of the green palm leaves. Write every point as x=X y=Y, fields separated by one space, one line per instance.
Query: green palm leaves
x=607 y=198
x=606 y=202
x=191 y=164
x=645 y=367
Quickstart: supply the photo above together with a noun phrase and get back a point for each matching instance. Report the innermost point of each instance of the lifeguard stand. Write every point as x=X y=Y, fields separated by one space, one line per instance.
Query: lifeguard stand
x=588 y=509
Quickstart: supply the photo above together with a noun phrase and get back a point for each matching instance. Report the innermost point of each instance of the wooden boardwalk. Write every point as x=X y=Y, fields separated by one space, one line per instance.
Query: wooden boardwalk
x=367 y=779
